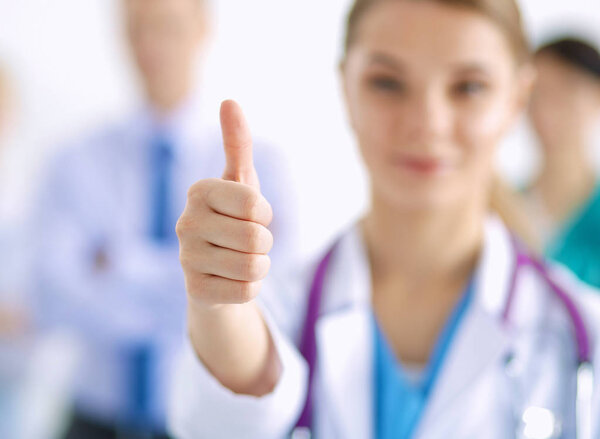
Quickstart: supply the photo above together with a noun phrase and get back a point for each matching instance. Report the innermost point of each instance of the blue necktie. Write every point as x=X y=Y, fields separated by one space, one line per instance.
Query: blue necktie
x=140 y=418
x=162 y=227
x=162 y=231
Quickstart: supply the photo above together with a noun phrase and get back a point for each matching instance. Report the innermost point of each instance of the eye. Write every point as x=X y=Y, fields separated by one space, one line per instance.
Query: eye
x=386 y=84
x=470 y=88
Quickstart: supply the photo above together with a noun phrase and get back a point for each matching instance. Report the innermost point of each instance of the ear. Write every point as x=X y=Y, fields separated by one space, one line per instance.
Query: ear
x=342 y=78
x=525 y=82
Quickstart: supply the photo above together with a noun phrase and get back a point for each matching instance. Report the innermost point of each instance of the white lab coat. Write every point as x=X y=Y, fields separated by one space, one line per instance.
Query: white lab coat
x=473 y=397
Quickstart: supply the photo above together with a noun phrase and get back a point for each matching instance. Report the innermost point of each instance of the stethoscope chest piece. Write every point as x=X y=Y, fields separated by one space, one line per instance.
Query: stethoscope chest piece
x=539 y=423
x=532 y=422
x=301 y=433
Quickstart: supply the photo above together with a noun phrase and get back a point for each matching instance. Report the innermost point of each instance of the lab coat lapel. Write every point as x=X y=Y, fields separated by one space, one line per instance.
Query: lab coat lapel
x=481 y=344
x=344 y=341
x=482 y=340
x=346 y=369
x=345 y=345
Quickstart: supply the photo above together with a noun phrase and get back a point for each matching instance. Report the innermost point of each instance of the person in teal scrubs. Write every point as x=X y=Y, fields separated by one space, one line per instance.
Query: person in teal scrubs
x=565 y=196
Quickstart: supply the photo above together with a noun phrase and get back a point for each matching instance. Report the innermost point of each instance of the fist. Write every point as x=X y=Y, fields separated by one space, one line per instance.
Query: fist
x=223 y=234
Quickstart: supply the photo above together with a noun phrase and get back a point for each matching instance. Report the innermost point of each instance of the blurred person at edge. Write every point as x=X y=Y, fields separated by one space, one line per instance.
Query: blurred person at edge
x=14 y=321
x=564 y=199
x=107 y=263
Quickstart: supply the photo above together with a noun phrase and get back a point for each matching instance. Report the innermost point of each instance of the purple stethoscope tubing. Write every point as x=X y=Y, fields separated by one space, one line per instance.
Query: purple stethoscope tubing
x=308 y=344
x=522 y=259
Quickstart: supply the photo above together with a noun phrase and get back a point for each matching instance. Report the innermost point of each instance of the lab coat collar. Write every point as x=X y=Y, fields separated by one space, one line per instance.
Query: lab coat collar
x=345 y=341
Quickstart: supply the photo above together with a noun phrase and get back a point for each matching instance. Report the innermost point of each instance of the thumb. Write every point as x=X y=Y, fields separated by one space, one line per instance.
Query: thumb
x=237 y=142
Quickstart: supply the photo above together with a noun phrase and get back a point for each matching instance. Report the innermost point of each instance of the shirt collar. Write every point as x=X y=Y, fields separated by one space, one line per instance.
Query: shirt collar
x=182 y=126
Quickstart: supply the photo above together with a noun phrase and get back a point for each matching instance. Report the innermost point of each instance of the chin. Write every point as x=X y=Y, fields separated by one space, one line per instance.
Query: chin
x=419 y=197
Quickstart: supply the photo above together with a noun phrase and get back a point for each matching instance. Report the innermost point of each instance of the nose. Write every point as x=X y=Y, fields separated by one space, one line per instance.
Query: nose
x=429 y=117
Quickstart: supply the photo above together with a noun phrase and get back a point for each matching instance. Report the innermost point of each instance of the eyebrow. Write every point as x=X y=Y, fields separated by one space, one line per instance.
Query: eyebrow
x=388 y=61
x=467 y=67
x=472 y=68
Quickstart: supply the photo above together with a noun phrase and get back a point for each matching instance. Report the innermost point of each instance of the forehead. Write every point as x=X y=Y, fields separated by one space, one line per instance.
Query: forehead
x=427 y=31
x=160 y=7
x=552 y=69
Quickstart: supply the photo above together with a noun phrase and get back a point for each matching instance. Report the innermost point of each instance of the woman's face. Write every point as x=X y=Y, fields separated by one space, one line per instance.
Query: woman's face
x=430 y=90
x=565 y=107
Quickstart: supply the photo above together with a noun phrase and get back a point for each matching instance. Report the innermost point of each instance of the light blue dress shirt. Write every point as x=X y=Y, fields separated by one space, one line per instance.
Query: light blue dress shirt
x=97 y=270
x=14 y=352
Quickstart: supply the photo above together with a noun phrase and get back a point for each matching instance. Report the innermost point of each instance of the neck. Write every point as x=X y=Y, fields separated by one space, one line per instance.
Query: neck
x=424 y=246
x=566 y=179
x=165 y=100
x=565 y=160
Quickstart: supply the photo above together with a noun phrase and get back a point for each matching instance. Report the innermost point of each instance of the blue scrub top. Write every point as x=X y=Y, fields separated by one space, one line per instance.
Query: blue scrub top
x=399 y=402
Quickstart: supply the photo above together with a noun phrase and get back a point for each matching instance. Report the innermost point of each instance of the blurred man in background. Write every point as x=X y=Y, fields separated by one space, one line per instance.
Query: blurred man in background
x=11 y=314
x=564 y=198
x=14 y=327
x=107 y=261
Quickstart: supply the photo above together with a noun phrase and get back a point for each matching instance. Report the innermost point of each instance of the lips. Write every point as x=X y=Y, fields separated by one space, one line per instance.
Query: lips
x=425 y=165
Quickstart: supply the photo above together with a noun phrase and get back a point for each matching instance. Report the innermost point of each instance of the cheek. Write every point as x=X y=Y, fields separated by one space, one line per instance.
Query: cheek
x=375 y=125
x=583 y=109
x=486 y=124
x=481 y=128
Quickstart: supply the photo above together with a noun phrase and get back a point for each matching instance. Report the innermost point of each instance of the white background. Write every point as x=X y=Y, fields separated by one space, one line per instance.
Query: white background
x=277 y=57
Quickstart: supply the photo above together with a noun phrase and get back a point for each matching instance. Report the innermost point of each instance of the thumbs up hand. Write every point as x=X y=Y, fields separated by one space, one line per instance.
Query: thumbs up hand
x=223 y=235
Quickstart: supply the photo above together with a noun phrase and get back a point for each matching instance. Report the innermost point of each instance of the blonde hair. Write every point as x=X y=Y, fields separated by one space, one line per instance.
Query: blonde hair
x=506 y=15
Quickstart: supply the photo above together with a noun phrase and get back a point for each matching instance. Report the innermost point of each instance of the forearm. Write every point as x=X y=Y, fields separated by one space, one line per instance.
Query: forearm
x=235 y=345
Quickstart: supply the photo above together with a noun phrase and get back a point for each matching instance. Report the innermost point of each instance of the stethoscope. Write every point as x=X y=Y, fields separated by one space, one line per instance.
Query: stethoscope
x=534 y=422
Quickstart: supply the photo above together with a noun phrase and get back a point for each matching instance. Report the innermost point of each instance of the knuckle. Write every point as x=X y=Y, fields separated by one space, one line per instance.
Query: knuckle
x=269 y=241
x=183 y=226
x=269 y=209
x=196 y=191
x=184 y=259
x=188 y=262
x=199 y=191
x=251 y=205
x=255 y=267
x=252 y=236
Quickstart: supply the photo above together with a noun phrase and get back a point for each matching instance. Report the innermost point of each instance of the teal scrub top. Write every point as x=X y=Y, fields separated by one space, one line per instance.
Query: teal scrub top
x=577 y=245
x=400 y=402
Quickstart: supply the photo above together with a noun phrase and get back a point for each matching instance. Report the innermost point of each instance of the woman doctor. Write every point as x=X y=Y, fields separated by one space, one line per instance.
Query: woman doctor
x=424 y=320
